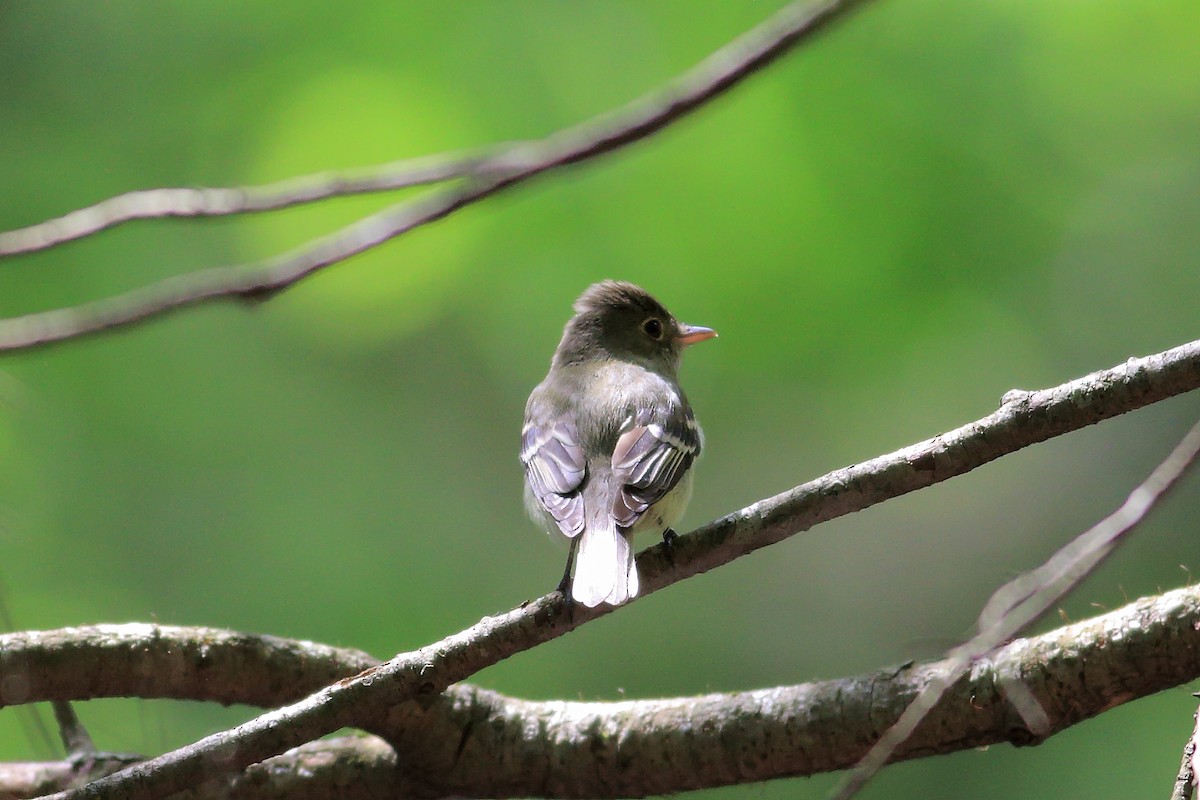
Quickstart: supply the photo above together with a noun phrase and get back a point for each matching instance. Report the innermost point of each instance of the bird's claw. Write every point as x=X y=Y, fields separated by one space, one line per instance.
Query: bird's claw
x=669 y=537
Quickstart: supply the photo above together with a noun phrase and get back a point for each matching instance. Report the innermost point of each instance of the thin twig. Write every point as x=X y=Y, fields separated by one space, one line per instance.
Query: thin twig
x=75 y=738
x=1026 y=417
x=1020 y=602
x=217 y=202
x=512 y=165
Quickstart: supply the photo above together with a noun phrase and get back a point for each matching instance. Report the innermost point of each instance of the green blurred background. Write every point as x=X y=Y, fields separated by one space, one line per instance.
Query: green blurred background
x=933 y=204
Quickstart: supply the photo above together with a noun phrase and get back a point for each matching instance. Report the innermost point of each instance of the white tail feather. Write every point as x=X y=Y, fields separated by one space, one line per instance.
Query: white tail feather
x=626 y=573
x=604 y=569
x=595 y=566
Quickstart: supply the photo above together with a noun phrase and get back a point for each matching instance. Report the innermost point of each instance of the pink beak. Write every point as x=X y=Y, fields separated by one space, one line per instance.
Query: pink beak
x=690 y=334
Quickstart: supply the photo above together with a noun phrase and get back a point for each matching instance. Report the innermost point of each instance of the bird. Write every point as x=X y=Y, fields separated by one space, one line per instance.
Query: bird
x=609 y=437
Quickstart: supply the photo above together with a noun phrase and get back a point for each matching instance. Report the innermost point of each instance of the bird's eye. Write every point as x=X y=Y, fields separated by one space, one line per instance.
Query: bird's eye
x=653 y=328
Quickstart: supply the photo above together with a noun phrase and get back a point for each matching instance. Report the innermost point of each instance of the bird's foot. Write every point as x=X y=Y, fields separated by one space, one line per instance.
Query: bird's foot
x=564 y=588
x=669 y=537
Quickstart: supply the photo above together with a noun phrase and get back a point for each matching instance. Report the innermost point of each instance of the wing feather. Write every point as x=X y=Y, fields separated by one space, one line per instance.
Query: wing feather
x=655 y=450
x=555 y=468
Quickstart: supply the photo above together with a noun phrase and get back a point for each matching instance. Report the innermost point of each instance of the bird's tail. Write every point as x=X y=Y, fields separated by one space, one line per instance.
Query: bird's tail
x=604 y=569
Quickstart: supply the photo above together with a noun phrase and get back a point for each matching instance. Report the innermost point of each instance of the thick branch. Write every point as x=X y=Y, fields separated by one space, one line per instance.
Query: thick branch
x=510 y=166
x=1025 y=418
x=476 y=743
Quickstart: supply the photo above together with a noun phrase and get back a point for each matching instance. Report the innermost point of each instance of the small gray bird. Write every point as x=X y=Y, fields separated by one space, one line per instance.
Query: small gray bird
x=609 y=436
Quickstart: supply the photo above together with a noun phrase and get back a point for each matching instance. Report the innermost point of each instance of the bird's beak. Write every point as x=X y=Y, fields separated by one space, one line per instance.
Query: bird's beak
x=690 y=334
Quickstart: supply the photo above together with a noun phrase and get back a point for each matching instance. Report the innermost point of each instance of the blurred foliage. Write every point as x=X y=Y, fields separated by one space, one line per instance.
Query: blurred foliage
x=930 y=205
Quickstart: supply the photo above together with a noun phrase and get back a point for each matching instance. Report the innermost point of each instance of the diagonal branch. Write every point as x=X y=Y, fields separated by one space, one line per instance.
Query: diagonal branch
x=348 y=768
x=1020 y=602
x=507 y=167
x=1025 y=418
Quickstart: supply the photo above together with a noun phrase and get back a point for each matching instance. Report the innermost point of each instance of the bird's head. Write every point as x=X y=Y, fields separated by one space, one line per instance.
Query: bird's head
x=620 y=320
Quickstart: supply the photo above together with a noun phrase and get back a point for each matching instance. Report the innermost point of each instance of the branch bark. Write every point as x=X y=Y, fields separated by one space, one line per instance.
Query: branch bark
x=1185 y=781
x=1025 y=418
x=346 y=768
x=477 y=743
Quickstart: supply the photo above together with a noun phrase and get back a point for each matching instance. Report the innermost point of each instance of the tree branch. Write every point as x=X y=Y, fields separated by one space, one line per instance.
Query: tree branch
x=219 y=202
x=509 y=166
x=1185 y=781
x=476 y=743
x=1020 y=602
x=345 y=768
x=1025 y=418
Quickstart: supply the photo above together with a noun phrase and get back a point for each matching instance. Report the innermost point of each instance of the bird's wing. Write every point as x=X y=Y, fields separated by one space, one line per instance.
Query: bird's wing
x=554 y=468
x=656 y=447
